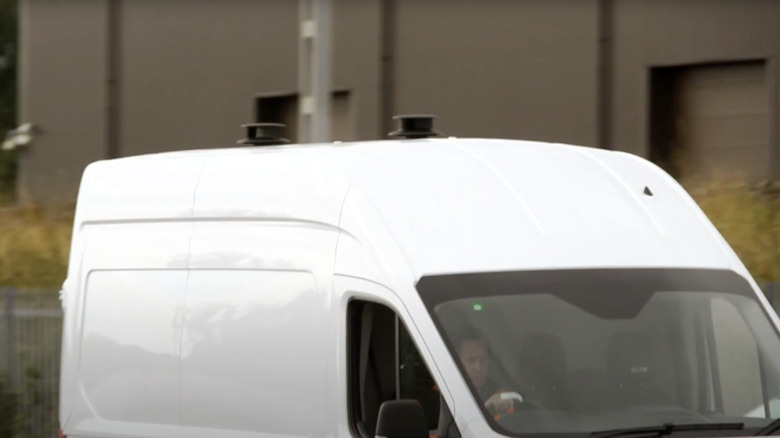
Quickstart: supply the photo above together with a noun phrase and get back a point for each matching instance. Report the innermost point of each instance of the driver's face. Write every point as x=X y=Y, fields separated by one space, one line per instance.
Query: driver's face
x=474 y=357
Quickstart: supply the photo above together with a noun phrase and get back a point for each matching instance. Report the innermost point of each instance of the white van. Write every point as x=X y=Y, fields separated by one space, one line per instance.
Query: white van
x=506 y=288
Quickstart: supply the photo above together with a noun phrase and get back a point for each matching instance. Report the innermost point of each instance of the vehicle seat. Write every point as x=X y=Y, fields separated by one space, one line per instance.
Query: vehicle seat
x=632 y=370
x=544 y=366
x=589 y=392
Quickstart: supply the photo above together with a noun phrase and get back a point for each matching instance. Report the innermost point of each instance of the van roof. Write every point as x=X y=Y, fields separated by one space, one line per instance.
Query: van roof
x=451 y=205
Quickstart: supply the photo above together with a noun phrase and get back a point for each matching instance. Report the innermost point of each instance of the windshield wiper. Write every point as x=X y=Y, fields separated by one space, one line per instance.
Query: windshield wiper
x=667 y=429
x=769 y=428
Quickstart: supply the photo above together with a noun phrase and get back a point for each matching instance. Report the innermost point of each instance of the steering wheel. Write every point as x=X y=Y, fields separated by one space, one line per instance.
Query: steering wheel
x=519 y=403
x=515 y=418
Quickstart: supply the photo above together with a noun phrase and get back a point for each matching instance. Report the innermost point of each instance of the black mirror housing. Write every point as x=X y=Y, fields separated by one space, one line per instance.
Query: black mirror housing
x=401 y=419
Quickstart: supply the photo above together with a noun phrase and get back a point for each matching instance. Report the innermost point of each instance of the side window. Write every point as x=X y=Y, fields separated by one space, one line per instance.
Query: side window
x=383 y=365
x=736 y=360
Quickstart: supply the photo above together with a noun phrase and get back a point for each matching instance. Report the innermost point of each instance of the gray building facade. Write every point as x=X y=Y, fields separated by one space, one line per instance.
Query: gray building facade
x=691 y=84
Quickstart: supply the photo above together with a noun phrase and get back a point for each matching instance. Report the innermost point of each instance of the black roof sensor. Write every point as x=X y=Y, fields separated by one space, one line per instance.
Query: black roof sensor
x=263 y=134
x=415 y=126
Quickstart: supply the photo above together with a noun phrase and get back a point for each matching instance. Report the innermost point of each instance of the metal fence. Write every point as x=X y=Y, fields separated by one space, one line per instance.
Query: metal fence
x=30 y=337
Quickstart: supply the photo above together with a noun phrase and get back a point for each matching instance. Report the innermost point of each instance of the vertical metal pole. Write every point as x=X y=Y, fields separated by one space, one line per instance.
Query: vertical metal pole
x=387 y=110
x=6 y=363
x=113 y=72
x=314 y=70
x=305 y=35
x=772 y=77
x=605 y=56
x=10 y=334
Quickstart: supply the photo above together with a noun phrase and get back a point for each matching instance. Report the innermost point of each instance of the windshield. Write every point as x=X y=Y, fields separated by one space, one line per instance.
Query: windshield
x=582 y=351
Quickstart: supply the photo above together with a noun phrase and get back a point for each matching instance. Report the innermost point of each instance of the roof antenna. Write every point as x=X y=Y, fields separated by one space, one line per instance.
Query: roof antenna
x=263 y=134
x=415 y=126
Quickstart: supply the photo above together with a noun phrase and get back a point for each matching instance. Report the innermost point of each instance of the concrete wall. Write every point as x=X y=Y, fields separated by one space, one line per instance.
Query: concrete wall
x=190 y=69
x=357 y=42
x=523 y=69
x=62 y=89
x=674 y=32
x=187 y=73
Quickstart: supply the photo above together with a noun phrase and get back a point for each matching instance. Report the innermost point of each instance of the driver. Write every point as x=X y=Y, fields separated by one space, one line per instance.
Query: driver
x=473 y=354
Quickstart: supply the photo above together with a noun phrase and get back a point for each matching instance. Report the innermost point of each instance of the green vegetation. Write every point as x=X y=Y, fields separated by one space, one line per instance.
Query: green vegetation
x=34 y=243
x=749 y=219
x=16 y=407
x=8 y=410
x=34 y=247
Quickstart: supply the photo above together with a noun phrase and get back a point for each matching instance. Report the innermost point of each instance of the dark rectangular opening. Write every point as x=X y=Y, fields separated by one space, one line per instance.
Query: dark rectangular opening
x=662 y=118
x=711 y=120
x=281 y=108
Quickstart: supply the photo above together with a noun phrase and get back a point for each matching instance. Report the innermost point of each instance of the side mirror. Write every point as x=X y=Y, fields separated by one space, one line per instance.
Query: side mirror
x=401 y=419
